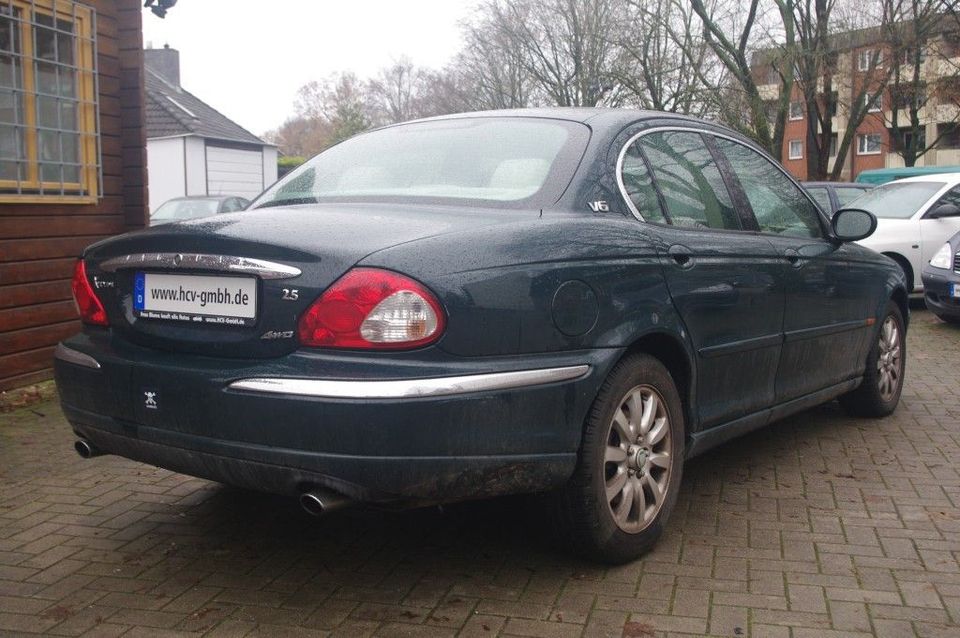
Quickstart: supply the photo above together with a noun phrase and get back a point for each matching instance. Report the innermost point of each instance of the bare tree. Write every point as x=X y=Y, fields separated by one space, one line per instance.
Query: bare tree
x=563 y=45
x=301 y=136
x=666 y=64
x=734 y=44
x=912 y=36
x=340 y=100
x=490 y=72
x=395 y=94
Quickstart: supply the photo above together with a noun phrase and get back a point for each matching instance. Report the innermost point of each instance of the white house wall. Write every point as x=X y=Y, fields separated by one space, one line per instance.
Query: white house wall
x=166 y=171
x=269 y=165
x=232 y=171
x=196 y=175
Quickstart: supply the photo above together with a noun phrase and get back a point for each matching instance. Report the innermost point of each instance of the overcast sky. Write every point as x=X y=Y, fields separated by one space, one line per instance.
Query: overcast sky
x=247 y=58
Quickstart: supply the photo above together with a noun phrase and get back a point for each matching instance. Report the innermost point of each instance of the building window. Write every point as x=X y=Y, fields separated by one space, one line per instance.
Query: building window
x=948 y=135
x=868 y=144
x=876 y=102
x=866 y=57
x=796 y=110
x=833 y=144
x=48 y=102
x=796 y=150
x=910 y=97
x=909 y=55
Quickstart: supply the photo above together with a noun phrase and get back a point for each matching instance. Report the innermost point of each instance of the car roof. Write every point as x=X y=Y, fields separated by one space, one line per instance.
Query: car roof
x=596 y=117
x=839 y=184
x=946 y=178
x=203 y=197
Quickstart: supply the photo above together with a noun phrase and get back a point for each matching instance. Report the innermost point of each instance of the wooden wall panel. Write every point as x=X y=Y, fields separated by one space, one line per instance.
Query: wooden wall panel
x=40 y=242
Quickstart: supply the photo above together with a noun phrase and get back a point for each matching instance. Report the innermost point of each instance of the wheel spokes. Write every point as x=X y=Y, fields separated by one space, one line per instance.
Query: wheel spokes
x=615 y=484
x=638 y=459
x=616 y=455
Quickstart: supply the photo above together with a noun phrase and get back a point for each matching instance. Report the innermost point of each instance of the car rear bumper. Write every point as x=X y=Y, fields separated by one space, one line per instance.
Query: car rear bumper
x=387 y=430
x=936 y=292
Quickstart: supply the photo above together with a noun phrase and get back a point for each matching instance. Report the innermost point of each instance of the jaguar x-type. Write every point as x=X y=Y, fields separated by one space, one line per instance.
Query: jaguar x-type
x=565 y=302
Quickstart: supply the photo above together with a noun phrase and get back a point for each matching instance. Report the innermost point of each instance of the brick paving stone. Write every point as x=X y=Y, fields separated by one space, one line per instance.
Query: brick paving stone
x=820 y=526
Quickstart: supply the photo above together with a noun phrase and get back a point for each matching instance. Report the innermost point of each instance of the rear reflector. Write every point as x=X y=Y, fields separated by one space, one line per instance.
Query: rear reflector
x=369 y=308
x=88 y=304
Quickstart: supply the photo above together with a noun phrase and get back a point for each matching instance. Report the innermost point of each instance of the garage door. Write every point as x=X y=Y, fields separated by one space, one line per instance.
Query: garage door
x=232 y=171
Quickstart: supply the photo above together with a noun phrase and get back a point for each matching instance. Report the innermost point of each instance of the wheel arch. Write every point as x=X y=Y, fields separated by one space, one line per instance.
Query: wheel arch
x=907 y=269
x=669 y=350
x=902 y=299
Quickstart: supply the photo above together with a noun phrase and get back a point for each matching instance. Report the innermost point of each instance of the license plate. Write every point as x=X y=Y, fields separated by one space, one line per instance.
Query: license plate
x=955 y=291
x=196 y=298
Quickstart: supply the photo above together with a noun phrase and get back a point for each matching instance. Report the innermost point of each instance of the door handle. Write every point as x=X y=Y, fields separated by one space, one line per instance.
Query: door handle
x=682 y=255
x=792 y=256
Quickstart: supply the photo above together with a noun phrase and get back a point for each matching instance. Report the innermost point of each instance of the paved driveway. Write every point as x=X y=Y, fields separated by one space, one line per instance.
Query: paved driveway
x=818 y=526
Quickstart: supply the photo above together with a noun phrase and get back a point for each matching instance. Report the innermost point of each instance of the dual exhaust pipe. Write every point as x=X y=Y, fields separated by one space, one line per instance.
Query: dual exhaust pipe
x=86 y=449
x=320 y=501
x=316 y=502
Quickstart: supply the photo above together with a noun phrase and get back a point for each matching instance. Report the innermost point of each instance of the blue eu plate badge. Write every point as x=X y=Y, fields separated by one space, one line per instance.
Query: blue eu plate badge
x=138 y=291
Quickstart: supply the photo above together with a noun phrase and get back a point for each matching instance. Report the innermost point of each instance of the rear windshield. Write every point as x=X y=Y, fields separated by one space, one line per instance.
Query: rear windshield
x=897 y=200
x=492 y=161
x=179 y=209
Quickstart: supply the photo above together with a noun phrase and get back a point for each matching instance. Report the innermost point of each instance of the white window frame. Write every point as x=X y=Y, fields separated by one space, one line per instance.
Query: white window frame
x=878 y=105
x=790 y=111
x=862 y=145
x=790 y=153
x=864 y=57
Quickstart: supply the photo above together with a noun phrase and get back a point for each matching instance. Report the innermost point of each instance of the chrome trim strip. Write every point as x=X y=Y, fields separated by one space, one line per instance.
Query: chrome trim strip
x=223 y=263
x=410 y=388
x=70 y=355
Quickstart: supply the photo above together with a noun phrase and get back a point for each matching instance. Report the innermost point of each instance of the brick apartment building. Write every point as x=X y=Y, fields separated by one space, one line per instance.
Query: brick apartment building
x=863 y=57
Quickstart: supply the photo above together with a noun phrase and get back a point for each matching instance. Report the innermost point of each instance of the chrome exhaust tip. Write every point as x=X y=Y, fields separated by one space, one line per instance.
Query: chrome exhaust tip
x=318 y=502
x=86 y=449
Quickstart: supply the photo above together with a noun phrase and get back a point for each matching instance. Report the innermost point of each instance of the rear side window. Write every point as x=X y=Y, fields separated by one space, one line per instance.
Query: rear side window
x=639 y=185
x=822 y=197
x=779 y=205
x=688 y=178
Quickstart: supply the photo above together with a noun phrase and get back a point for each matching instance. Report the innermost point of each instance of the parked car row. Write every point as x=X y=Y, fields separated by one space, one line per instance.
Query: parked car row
x=181 y=209
x=918 y=226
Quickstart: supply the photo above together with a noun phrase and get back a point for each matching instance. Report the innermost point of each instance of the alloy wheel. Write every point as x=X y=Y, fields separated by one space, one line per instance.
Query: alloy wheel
x=638 y=463
x=888 y=363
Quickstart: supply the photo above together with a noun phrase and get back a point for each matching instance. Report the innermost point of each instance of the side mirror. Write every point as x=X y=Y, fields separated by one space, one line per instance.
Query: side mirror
x=853 y=224
x=944 y=210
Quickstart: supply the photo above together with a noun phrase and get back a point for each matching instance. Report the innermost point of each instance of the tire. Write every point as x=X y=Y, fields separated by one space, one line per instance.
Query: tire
x=949 y=319
x=879 y=393
x=651 y=466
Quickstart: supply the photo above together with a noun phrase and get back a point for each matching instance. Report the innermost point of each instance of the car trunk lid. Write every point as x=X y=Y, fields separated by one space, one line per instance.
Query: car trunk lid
x=235 y=285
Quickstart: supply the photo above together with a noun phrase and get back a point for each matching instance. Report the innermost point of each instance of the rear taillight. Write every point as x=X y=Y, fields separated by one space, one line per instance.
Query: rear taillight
x=369 y=308
x=88 y=305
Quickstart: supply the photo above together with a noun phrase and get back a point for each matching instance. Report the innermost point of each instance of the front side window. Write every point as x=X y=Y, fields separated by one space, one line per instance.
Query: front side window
x=778 y=204
x=48 y=106
x=868 y=144
x=847 y=194
x=952 y=196
x=487 y=161
x=693 y=190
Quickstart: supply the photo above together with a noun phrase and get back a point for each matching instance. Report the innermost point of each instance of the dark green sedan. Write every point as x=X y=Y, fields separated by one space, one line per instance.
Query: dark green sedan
x=566 y=302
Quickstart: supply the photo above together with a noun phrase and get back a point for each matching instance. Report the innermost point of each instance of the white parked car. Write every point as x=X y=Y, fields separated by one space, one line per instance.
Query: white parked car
x=915 y=216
